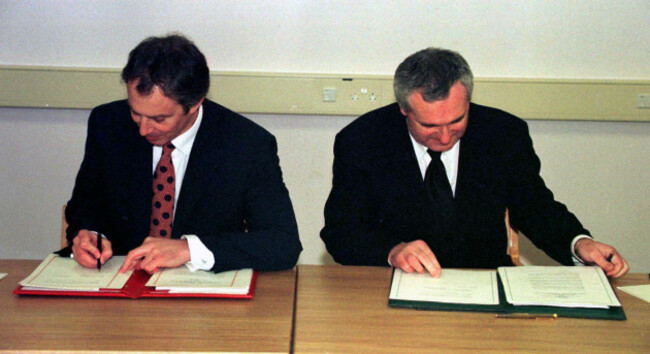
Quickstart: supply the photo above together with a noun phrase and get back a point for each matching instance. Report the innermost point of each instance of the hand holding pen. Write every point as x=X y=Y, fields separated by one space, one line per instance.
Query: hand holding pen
x=91 y=250
x=605 y=256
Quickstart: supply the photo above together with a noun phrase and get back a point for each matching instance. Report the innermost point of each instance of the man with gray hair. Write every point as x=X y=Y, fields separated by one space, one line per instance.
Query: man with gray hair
x=424 y=183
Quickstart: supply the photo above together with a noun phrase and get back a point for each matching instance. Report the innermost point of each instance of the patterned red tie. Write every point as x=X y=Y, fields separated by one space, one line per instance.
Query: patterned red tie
x=162 y=203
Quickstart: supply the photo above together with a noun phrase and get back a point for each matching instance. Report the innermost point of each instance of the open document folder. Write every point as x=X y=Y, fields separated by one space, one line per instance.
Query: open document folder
x=582 y=292
x=64 y=276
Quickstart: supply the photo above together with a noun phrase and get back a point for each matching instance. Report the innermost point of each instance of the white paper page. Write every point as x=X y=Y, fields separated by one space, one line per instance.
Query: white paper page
x=453 y=286
x=65 y=273
x=640 y=291
x=558 y=286
x=182 y=280
x=2 y=275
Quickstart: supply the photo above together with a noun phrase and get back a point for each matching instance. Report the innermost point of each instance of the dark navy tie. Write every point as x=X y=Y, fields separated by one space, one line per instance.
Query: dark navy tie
x=440 y=190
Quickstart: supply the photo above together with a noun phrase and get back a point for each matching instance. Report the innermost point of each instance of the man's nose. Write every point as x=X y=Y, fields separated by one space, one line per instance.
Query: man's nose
x=445 y=135
x=145 y=128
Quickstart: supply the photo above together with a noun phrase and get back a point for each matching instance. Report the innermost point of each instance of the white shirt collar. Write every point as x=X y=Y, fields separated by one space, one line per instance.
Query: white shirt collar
x=421 y=151
x=184 y=142
x=449 y=159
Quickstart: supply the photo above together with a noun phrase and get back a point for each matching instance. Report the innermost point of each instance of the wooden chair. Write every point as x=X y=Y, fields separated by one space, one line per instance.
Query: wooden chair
x=64 y=226
x=513 y=242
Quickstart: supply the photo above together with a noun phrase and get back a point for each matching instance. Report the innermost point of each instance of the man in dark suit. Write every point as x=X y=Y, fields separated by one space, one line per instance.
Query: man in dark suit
x=168 y=147
x=425 y=182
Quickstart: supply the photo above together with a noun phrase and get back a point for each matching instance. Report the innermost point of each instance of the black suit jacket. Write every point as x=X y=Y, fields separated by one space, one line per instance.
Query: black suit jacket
x=233 y=174
x=379 y=199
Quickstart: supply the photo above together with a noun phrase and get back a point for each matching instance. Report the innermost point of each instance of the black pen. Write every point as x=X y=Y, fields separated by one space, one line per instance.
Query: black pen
x=99 y=248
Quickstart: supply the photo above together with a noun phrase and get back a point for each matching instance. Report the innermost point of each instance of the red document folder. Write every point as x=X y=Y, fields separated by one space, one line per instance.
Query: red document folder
x=134 y=288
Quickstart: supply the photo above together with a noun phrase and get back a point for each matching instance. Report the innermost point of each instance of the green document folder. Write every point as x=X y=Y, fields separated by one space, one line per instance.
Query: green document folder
x=612 y=313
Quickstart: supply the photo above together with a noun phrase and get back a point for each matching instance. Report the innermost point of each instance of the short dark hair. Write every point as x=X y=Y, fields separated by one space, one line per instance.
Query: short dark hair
x=433 y=71
x=172 y=63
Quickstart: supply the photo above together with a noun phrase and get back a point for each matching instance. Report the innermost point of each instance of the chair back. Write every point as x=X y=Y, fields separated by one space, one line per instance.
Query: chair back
x=513 y=242
x=64 y=226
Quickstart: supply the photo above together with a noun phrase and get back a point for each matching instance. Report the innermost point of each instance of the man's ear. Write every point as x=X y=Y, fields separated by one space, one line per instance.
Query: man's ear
x=197 y=105
x=401 y=109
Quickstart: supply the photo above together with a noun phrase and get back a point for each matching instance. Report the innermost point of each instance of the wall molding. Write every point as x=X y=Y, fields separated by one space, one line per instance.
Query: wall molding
x=292 y=93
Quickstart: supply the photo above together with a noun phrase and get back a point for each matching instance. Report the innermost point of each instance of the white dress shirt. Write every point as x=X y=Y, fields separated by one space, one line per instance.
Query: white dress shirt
x=200 y=256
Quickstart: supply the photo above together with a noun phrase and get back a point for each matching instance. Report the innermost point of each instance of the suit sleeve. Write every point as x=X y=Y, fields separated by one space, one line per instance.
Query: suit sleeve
x=533 y=208
x=354 y=233
x=270 y=241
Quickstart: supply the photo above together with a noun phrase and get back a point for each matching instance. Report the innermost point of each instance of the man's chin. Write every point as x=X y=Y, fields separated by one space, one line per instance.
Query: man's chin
x=155 y=141
x=441 y=148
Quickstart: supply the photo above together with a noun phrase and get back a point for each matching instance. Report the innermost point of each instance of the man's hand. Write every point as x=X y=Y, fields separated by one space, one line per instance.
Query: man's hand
x=156 y=253
x=602 y=255
x=85 y=252
x=414 y=256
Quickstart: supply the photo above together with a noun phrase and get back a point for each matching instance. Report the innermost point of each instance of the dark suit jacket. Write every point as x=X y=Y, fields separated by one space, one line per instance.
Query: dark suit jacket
x=233 y=174
x=379 y=199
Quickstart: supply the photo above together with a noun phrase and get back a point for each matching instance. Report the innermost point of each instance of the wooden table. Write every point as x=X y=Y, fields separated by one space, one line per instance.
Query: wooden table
x=344 y=310
x=41 y=323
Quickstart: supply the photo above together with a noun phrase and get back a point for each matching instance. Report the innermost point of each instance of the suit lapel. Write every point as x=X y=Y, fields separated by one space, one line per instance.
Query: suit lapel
x=468 y=180
x=202 y=166
x=410 y=186
x=475 y=184
x=463 y=178
x=140 y=184
x=130 y=174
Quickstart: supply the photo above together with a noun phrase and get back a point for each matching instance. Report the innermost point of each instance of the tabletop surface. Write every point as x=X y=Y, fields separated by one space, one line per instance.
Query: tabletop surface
x=337 y=309
x=345 y=309
x=32 y=323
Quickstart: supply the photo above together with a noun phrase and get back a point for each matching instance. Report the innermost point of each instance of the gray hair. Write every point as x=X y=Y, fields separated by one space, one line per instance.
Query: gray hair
x=433 y=71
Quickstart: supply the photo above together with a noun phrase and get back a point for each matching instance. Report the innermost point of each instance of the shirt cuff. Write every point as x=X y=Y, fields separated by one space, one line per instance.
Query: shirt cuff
x=201 y=258
x=576 y=259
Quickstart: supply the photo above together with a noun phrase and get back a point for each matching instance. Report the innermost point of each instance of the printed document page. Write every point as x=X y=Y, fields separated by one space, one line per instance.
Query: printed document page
x=577 y=286
x=453 y=286
x=182 y=280
x=64 y=273
x=640 y=291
